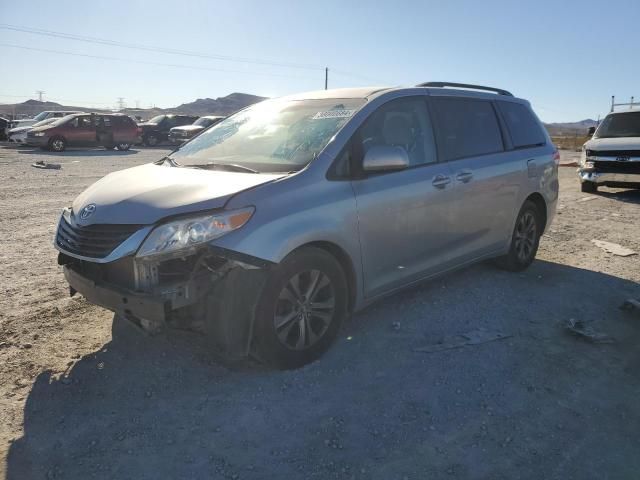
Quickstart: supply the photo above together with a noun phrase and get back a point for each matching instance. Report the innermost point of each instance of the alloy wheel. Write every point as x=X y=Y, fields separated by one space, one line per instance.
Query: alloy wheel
x=525 y=236
x=304 y=310
x=57 y=145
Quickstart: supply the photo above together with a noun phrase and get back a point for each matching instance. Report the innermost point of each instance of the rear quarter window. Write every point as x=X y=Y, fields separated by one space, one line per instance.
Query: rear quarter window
x=523 y=127
x=466 y=128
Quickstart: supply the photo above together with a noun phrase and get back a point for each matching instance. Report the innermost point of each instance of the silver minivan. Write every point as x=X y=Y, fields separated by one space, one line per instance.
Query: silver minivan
x=268 y=229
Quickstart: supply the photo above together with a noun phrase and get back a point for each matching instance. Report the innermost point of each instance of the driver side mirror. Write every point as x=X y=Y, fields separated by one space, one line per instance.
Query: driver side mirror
x=385 y=158
x=591 y=131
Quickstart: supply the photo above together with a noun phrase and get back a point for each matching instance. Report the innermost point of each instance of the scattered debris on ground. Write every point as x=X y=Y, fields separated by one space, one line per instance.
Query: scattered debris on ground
x=475 y=337
x=614 y=248
x=580 y=329
x=587 y=199
x=48 y=166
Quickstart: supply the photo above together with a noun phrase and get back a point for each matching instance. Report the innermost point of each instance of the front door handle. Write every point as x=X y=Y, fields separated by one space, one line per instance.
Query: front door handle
x=464 y=176
x=441 y=181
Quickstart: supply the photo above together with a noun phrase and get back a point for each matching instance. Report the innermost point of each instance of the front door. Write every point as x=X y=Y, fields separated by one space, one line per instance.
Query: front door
x=404 y=217
x=82 y=132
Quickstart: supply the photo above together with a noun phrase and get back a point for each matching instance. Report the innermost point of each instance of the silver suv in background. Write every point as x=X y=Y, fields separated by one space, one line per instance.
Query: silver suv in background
x=268 y=229
x=612 y=157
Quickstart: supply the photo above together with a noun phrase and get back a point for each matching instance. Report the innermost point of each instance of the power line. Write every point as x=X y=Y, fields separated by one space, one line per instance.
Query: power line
x=142 y=62
x=172 y=51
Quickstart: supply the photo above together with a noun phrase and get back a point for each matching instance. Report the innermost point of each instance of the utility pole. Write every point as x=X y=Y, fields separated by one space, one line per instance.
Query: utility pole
x=40 y=93
x=326 y=78
x=137 y=104
x=120 y=103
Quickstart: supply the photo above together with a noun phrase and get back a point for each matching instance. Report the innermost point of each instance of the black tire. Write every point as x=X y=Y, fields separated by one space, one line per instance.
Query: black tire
x=151 y=140
x=57 y=144
x=277 y=346
x=588 y=187
x=123 y=147
x=123 y=330
x=524 y=240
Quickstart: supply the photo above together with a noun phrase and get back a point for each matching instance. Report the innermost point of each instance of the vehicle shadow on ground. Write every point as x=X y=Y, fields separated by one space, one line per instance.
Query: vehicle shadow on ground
x=372 y=407
x=627 y=196
x=79 y=153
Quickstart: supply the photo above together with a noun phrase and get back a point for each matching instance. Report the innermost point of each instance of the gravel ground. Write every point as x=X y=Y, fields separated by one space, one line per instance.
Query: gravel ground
x=539 y=403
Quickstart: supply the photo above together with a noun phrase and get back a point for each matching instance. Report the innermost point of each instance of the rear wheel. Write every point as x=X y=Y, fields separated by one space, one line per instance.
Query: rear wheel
x=123 y=147
x=525 y=239
x=301 y=308
x=151 y=140
x=57 y=144
x=588 y=187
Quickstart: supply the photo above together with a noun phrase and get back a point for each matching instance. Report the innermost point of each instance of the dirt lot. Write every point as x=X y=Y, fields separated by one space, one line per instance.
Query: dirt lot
x=75 y=404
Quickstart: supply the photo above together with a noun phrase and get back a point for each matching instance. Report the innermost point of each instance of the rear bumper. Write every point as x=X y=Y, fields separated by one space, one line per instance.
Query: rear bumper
x=603 y=178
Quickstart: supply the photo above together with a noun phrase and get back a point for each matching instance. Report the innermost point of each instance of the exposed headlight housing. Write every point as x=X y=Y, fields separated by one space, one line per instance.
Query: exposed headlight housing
x=189 y=233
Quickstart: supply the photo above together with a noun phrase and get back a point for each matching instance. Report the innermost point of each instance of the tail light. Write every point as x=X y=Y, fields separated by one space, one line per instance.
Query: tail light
x=556 y=156
x=139 y=130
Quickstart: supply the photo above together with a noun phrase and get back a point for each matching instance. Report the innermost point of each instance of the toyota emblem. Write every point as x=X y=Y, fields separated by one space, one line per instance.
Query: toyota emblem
x=87 y=211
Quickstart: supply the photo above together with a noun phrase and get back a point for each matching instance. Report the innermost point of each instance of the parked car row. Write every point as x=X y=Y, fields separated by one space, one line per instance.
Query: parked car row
x=58 y=130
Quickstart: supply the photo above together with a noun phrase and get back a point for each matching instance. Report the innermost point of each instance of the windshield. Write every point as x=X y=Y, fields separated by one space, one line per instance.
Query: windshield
x=205 y=122
x=619 y=125
x=59 y=121
x=156 y=119
x=40 y=116
x=271 y=136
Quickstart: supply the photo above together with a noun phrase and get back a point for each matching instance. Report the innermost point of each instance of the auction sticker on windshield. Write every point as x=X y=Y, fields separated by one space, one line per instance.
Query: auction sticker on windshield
x=333 y=114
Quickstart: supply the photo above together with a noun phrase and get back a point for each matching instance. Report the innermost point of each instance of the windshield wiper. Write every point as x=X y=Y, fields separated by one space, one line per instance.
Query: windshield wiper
x=227 y=166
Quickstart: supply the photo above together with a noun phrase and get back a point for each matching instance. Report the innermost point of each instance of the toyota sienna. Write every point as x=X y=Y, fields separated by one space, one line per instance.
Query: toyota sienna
x=268 y=229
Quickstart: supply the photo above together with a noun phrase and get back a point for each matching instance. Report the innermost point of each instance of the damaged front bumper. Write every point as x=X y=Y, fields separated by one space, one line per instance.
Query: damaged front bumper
x=214 y=291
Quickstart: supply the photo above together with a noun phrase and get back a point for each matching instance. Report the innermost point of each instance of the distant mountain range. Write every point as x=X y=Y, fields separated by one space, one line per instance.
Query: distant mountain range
x=571 y=128
x=226 y=106
x=202 y=106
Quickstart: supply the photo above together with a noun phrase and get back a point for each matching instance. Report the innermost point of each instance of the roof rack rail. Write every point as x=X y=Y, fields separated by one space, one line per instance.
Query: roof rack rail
x=499 y=91
x=630 y=105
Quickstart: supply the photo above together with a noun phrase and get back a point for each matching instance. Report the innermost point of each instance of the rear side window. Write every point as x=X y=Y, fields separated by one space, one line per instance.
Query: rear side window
x=524 y=129
x=466 y=128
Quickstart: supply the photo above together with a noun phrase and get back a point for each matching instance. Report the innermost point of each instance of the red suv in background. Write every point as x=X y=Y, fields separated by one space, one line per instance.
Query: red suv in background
x=86 y=130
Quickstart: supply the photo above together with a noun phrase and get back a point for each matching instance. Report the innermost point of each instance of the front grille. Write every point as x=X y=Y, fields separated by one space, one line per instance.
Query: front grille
x=93 y=241
x=614 y=153
x=617 y=167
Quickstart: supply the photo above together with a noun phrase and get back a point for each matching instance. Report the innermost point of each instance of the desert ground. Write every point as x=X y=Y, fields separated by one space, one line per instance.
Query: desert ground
x=391 y=400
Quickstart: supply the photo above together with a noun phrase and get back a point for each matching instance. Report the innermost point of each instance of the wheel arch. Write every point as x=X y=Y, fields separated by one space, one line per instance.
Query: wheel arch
x=345 y=262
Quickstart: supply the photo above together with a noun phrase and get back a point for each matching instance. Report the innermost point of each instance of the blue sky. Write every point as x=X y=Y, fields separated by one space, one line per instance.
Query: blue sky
x=567 y=58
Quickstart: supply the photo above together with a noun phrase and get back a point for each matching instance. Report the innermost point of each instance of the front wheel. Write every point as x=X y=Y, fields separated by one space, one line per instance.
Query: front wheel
x=525 y=239
x=123 y=147
x=301 y=308
x=57 y=144
x=151 y=140
x=588 y=187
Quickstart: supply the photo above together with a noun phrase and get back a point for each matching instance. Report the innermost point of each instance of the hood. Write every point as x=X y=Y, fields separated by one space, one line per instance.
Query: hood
x=40 y=129
x=187 y=128
x=146 y=194
x=619 y=143
x=23 y=123
x=20 y=130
